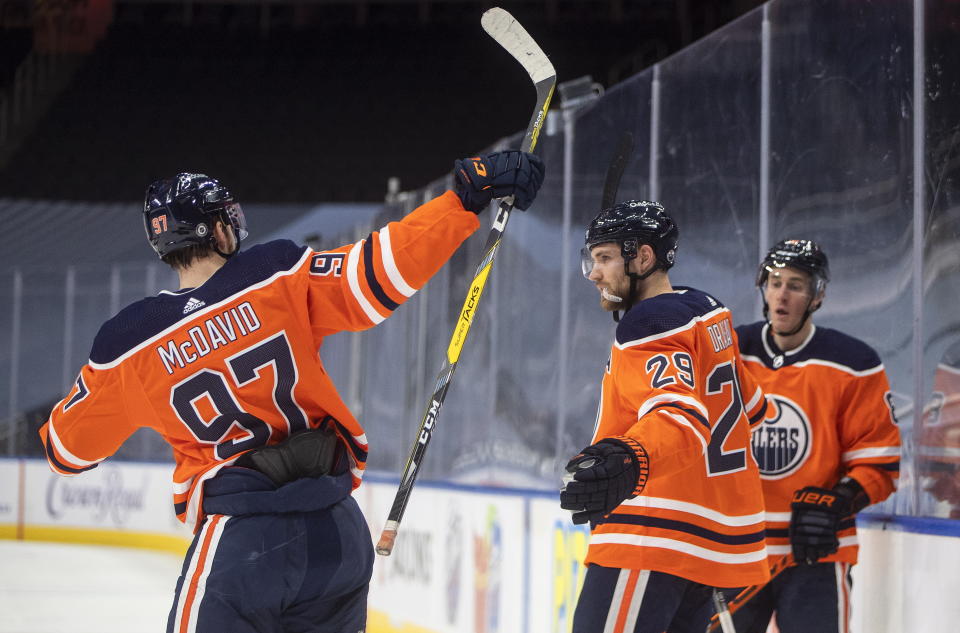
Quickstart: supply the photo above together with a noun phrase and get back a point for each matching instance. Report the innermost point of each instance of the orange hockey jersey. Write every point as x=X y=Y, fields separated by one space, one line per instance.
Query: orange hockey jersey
x=234 y=364
x=675 y=383
x=830 y=416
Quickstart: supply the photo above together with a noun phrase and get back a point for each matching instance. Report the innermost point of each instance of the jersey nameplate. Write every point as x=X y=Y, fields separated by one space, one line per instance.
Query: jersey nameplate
x=213 y=332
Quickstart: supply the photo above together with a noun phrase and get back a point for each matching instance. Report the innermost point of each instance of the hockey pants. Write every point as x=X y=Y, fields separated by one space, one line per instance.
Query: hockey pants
x=293 y=559
x=641 y=601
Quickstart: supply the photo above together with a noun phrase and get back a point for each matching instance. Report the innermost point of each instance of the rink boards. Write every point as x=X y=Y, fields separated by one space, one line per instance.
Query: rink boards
x=467 y=558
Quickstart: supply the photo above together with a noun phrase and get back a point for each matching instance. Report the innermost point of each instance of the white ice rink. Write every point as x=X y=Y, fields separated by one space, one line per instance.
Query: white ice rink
x=54 y=588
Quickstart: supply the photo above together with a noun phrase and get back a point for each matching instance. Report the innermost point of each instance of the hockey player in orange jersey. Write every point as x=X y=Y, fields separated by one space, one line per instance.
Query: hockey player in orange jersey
x=829 y=448
x=668 y=484
x=227 y=370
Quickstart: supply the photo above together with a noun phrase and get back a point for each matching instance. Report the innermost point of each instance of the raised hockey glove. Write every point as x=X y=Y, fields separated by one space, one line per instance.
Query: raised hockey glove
x=480 y=179
x=816 y=516
x=602 y=476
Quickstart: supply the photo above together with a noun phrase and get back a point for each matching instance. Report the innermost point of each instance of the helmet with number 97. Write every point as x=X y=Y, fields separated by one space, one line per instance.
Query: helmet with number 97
x=803 y=255
x=632 y=224
x=181 y=211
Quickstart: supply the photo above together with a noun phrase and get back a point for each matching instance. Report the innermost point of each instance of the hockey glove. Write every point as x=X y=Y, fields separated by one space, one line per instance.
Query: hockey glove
x=816 y=517
x=310 y=453
x=480 y=179
x=602 y=476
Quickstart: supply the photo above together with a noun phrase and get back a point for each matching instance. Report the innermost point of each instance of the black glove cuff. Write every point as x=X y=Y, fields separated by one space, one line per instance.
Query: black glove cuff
x=851 y=490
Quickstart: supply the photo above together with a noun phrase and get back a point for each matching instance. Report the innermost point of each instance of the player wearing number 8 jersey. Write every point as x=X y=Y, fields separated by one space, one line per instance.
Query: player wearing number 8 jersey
x=227 y=370
x=829 y=449
x=668 y=484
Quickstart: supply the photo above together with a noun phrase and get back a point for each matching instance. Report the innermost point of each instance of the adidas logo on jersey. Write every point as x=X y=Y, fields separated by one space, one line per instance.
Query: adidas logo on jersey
x=193 y=304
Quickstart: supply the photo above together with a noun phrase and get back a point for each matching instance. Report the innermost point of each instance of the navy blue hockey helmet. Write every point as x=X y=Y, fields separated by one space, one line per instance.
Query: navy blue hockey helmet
x=804 y=255
x=631 y=224
x=181 y=211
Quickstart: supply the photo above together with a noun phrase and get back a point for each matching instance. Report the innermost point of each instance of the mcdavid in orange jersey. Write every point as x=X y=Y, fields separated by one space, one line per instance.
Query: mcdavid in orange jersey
x=233 y=365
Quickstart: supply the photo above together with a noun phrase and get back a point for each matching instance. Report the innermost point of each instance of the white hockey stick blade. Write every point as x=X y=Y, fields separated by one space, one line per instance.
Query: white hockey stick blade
x=507 y=32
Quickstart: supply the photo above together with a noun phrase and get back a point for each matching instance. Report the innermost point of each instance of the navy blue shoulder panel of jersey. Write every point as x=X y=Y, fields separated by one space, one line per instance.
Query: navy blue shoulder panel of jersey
x=827 y=345
x=750 y=338
x=836 y=347
x=664 y=312
x=148 y=317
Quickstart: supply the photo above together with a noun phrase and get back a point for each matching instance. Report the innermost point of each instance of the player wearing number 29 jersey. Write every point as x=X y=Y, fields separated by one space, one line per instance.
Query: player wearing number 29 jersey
x=676 y=384
x=668 y=484
x=227 y=369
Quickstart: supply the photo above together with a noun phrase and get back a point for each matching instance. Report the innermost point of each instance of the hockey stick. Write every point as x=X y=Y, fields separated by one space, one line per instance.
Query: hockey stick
x=615 y=170
x=748 y=593
x=509 y=34
x=722 y=612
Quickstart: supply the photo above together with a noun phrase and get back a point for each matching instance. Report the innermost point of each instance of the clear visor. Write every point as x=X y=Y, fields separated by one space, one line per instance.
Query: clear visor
x=586 y=261
x=600 y=255
x=237 y=220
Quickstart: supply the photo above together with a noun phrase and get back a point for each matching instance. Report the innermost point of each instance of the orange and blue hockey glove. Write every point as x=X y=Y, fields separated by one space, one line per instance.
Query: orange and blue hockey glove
x=480 y=179
x=602 y=476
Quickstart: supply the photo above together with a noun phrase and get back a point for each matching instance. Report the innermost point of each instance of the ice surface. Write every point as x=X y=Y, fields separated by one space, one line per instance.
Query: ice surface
x=53 y=588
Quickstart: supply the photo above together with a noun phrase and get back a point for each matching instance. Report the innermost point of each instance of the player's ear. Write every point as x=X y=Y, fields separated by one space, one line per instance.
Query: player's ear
x=647 y=258
x=817 y=301
x=220 y=233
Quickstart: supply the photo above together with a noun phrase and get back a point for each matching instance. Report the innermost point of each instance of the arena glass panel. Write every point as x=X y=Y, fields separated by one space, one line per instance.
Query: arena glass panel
x=709 y=162
x=598 y=132
x=937 y=437
x=389 y=359
x=840 y=166
x=522 y=308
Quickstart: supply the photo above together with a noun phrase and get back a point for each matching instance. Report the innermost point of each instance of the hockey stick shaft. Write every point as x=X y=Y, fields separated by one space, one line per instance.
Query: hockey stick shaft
x=748 y=593
x=508 y=33
x=723 y=612
x=615 y=170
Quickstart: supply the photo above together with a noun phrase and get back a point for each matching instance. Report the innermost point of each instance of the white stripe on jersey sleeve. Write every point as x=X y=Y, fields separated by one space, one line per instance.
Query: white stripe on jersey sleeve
x=390 y=265
x=753 y=401
x=182 y=487
x=353 y=266
x=64 y=454
x=877 y=451
x=672 y=397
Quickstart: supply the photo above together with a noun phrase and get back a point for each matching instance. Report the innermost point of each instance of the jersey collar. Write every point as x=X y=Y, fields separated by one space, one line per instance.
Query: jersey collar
x=775 y=355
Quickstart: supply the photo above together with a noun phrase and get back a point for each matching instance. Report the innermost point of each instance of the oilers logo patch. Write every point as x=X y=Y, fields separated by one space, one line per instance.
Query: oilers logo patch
x=782 y=444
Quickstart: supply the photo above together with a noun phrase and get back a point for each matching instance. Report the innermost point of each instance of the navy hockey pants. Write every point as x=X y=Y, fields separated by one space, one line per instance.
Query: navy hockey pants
x=641 y=601
x=804 y=597
x=293 y=559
